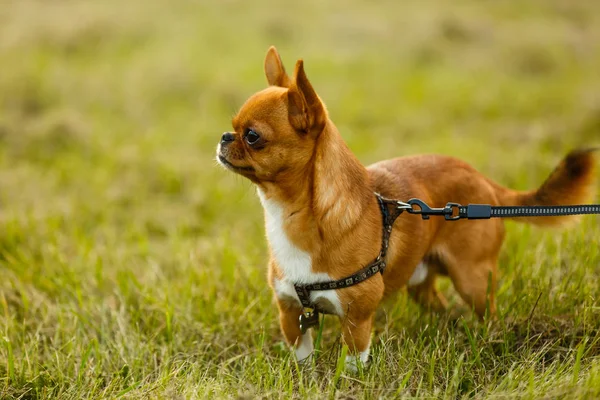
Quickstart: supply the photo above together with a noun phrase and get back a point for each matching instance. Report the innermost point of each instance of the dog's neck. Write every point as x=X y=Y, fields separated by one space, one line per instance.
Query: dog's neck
x=329 y=197
x=341 y=189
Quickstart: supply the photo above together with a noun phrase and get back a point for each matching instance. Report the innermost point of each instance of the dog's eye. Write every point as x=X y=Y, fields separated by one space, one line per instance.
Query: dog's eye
x=252 y=137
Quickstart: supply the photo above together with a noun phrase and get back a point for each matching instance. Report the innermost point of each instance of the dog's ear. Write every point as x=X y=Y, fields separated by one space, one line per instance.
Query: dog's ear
x=306 y=111
x=274 y=70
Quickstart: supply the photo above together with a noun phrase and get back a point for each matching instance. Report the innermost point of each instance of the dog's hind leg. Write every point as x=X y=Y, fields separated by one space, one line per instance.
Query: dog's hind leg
x=475 y=282
x=469 y=254
x=427 y=295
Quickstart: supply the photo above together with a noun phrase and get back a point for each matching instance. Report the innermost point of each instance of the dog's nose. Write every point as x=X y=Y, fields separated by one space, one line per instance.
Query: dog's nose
x=227 y=138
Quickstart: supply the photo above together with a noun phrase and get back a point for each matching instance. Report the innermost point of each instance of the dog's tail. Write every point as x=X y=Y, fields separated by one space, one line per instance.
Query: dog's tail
x=571 y=183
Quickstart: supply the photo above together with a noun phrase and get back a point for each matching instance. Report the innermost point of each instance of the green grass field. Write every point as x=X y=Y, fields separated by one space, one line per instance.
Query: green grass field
x=132 y=266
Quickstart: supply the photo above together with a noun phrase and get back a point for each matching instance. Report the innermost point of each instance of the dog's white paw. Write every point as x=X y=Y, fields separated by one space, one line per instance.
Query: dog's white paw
x=353 y=361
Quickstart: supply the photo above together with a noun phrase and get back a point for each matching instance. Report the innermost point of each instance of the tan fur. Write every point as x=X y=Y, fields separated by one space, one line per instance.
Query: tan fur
x=332 y=214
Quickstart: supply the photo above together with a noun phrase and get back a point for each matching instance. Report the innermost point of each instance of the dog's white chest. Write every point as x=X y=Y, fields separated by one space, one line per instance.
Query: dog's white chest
x=294 y=263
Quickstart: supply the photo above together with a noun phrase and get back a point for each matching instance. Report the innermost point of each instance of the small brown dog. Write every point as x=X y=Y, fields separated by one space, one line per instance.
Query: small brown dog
x=324 y=223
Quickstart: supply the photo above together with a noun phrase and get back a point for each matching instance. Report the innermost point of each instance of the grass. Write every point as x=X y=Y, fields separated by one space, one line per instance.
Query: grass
x=131 y=266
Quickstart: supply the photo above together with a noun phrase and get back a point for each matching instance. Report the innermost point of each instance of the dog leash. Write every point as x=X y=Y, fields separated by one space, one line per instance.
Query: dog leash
x=455 y=211
x=451 y=212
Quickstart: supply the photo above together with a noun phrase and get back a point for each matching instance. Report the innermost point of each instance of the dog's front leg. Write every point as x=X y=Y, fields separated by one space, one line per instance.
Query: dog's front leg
x=289 y=320
x=357 y=336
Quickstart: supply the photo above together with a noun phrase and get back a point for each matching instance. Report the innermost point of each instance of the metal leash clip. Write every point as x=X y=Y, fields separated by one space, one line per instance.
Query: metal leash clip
x=425 y=211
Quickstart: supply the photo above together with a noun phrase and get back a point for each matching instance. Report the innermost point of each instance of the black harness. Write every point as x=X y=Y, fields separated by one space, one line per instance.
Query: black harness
x=389 y=216
x=451 y=212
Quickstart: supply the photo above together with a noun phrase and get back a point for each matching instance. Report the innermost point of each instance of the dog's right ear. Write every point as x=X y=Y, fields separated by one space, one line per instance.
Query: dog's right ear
x=306 y=111
x=274 y=70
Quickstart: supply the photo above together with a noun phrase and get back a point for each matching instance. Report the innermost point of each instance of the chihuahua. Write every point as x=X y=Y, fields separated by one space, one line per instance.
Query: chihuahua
x=323 y=220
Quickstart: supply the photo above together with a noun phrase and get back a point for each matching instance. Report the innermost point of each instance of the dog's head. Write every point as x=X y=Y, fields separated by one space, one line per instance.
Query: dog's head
x=277 y=128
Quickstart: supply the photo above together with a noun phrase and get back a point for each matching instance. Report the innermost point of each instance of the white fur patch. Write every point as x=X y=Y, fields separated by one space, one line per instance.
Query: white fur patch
x=306 y=347
x=352 y=360
x=419 y=275
x=294 y=263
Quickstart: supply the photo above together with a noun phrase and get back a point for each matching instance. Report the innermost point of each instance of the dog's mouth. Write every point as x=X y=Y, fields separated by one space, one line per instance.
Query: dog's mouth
x=232 y=167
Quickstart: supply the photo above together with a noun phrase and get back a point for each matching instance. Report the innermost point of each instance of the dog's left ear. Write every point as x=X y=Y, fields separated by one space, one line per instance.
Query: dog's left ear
x=306 y=111
x=274 y=70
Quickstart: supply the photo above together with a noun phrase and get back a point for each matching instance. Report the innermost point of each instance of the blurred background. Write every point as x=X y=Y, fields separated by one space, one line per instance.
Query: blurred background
x=126 y=251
